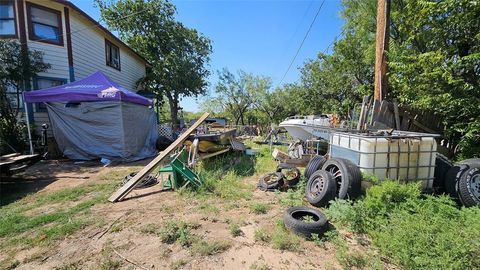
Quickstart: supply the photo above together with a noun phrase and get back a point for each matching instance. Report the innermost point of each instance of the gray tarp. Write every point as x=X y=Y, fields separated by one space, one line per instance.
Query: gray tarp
x=114 y=130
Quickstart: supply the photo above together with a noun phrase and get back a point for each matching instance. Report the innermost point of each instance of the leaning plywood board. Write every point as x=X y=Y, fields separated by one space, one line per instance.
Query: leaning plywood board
x=125 y=189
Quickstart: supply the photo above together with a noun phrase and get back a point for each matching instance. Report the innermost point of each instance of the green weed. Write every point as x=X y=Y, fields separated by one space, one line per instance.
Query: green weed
x=262 y=235
x=204 y=247
x=259 y=208
x=235 y=229
x=414 y=230
x=176 y=231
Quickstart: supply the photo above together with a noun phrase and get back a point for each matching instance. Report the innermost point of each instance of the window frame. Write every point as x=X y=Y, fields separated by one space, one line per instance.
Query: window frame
x=38 y=107
x=107 y=62
x=31 y=34
x=14 y=6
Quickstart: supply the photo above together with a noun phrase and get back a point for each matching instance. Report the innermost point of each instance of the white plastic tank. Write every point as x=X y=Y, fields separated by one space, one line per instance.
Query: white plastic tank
x=401 y=155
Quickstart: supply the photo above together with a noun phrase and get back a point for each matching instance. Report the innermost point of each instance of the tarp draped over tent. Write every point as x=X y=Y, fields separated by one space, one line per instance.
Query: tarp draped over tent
x=97 y=118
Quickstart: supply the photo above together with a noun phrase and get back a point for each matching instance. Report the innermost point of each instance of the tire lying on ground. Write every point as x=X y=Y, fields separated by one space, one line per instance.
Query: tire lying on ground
x=347 y=176
x=271 y=181
x=468 y=187
x=321 y=188
x=145 y=182
x=455 y=173
x=305 y=221
x=291 y=173
x=314 y=165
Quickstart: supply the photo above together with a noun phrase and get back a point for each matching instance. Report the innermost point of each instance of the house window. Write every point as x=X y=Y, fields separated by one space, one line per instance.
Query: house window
x=42 y=83
x=112 y=55
x=7 y=19
x=44 y=24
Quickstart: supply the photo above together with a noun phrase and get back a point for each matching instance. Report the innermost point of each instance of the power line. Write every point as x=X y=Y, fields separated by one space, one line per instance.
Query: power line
x=301 y=44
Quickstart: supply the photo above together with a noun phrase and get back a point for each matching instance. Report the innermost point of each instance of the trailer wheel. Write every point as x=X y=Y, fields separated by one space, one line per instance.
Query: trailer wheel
x=271 y=181
x=469 y=187
x=305 y=221
x=347 y=176
x=291 y=173
x=314 y=165
x=321 y=188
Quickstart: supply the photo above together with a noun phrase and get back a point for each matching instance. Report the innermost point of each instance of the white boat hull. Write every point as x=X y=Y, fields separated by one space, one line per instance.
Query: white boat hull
x=304 y=129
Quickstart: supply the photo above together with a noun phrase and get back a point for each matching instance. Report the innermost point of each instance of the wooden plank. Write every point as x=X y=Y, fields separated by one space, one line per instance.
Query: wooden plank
x=205 y=156
x=125 y=189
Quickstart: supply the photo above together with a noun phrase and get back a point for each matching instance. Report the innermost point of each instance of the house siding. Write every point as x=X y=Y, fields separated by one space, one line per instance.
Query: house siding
x=88 y=51
x=88 y=60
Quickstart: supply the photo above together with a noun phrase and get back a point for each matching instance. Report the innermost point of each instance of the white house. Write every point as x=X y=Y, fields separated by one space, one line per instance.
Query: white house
x=73 y=43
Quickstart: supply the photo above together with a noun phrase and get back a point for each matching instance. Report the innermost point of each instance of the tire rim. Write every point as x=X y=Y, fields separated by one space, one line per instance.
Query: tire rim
x=291 y=174
x=336 y=172
x=475 y=186
x=317 y=186
x=272 y=179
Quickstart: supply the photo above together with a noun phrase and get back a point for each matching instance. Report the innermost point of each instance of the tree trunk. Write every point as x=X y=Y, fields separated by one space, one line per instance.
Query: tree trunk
x=173 y=111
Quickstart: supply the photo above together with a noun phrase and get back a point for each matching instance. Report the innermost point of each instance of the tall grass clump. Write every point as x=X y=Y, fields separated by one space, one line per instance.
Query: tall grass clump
x=412 y=230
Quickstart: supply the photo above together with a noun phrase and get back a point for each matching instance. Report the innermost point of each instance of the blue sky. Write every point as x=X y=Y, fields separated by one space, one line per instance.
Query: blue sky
x=260 y=37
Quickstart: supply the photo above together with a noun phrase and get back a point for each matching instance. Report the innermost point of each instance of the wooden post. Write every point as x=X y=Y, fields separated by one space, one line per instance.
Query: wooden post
x=381 y=47
x=363 y=114
x=125 y=189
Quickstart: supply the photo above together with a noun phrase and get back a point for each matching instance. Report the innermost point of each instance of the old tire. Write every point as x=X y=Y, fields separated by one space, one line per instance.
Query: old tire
x=271 y=181
x=455 y=173
x=347 y=176
x=468 y=187
x=314 y=165
x=442 y=166
x=295 y=219
x=290 y=172
x=321 y=188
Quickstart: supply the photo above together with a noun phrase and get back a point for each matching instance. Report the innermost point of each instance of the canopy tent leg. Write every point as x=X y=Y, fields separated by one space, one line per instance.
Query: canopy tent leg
x=28 y=127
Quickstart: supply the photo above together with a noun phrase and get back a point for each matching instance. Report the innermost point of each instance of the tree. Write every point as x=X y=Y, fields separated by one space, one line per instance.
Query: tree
x=17 y=67
x=178 y=55
x=233 y=95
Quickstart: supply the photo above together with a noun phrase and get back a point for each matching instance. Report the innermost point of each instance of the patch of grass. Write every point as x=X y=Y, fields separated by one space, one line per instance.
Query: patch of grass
x=66 y=211
x=285 y=240
x=179 y=264
x=258 y=265
x=262 y=235
x=205 y=248
x=353 y=259
x=151 y=228
x=208 y=207
x=408 y=227
x=235 y=229
x=259 y=208
x=177 y=231
x=228 y=186
x=294 y=196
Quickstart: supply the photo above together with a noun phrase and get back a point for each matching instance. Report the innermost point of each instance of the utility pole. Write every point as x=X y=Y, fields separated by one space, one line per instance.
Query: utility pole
x=381 y=48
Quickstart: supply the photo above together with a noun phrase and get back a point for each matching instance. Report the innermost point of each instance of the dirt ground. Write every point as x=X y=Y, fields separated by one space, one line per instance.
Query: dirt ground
x=119 y=241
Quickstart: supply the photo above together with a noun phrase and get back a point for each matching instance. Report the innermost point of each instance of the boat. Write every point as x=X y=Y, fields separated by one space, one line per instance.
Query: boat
x=214 y=140
x=312 y=126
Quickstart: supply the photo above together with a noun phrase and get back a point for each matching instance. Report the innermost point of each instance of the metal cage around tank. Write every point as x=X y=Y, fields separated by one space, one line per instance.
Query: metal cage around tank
x=401 y=155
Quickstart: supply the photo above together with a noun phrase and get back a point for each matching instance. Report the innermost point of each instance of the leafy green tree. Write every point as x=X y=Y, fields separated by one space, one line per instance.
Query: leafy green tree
x=178 y=55
x=435 y=64
x=17 y=68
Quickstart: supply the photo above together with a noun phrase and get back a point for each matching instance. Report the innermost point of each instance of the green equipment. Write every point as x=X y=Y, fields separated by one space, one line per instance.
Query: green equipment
x=180 y=174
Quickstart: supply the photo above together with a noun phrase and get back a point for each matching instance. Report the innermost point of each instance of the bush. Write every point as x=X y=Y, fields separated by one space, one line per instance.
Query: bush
x=414 y=231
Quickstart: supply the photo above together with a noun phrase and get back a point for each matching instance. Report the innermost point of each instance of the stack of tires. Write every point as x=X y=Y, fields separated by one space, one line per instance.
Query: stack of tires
x=330 y=179
x=461 y=180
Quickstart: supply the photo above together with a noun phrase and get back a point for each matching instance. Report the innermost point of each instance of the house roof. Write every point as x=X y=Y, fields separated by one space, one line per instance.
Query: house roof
x=99 y=26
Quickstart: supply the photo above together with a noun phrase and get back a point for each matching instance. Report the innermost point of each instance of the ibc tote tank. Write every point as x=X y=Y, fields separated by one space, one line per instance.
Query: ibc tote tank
x=401 y=155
